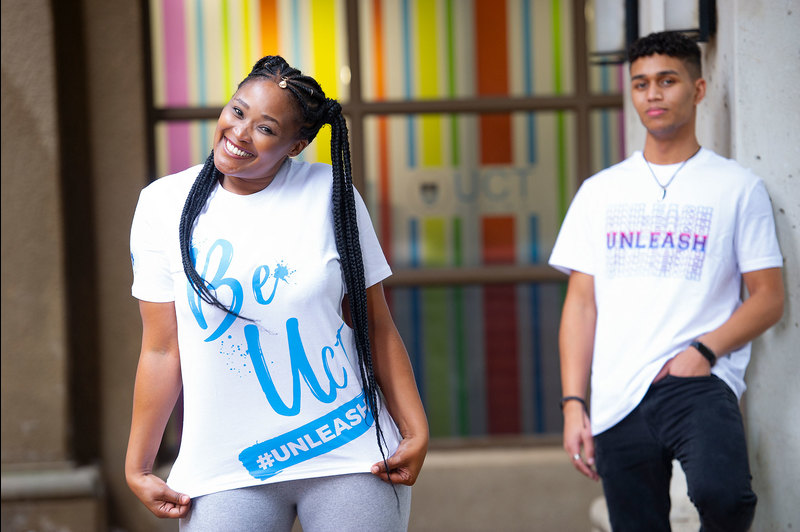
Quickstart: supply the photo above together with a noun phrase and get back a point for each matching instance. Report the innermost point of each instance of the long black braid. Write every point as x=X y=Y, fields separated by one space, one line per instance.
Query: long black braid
x=316 y=110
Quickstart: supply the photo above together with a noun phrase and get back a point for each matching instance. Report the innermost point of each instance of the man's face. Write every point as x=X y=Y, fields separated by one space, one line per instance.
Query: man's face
x=665 y=95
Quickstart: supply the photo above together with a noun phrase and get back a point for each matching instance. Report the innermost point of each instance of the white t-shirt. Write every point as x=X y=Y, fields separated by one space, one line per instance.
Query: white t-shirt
x=665 y=271
x=279 y=397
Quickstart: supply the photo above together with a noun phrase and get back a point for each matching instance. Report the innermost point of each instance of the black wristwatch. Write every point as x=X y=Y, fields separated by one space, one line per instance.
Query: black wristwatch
x=705 y=351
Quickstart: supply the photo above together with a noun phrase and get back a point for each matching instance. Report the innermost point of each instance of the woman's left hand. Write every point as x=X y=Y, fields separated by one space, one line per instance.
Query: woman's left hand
x=396 y=379
x=405 y=463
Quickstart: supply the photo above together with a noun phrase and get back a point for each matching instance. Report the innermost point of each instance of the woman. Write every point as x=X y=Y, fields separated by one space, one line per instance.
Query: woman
x=253 y=271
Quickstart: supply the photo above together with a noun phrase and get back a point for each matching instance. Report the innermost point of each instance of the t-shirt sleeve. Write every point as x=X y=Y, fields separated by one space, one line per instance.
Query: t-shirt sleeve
x=376 y=268
x=756 y=243
x=151 y=272
x=573 y=250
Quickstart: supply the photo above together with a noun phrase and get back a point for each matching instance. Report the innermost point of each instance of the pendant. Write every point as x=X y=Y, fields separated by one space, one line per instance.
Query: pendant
x=663 y=194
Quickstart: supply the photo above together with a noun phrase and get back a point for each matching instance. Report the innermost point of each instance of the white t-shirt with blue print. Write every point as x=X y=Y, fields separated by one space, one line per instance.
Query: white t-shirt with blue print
x=667 y=268
x=276 y=396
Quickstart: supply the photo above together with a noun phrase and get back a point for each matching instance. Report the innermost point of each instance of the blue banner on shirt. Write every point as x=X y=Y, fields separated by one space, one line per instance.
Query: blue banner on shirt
x=342 y=425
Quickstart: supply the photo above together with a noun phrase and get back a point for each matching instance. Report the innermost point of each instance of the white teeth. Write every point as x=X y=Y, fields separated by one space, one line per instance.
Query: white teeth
x=236 y=151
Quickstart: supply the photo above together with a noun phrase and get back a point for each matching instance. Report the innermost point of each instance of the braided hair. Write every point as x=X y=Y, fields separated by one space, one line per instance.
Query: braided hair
x=315 y=111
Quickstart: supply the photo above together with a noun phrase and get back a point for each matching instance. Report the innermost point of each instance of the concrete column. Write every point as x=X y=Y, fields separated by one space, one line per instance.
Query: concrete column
x=766 y=138
x=34 y=353
x=41 y=487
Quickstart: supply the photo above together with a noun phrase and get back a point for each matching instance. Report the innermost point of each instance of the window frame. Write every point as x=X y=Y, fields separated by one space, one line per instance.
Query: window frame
x=581 y=102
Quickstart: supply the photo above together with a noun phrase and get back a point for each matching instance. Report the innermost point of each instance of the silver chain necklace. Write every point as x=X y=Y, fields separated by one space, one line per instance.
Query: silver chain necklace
x=669 y=181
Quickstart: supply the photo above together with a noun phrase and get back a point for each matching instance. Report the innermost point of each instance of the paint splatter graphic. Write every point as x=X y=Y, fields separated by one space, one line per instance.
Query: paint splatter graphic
x=235 y=357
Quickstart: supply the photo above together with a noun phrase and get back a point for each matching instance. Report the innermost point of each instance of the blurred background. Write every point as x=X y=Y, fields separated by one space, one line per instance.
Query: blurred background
x=472 y=124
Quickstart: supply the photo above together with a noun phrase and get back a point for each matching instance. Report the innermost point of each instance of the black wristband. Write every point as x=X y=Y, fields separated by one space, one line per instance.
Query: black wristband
x=705 y=351
x=573 y=398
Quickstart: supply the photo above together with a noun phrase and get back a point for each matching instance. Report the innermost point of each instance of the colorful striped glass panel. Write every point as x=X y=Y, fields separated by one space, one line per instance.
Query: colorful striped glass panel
x=501 y=343
x=203 y=48
x=438 y=186
x=492 y=78
x=435 y=321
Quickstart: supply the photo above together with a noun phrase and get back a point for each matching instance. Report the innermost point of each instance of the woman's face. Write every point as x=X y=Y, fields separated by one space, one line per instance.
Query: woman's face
x=256 y=131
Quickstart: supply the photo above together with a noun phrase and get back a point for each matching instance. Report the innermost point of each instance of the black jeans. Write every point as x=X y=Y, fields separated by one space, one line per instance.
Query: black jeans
x=696 y=420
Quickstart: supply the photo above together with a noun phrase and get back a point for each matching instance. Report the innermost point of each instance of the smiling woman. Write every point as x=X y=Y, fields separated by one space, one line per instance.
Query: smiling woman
x=256 y=131
x=287 y=408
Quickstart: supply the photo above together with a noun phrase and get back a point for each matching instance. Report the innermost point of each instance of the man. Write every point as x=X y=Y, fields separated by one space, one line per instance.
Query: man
x=656 y=248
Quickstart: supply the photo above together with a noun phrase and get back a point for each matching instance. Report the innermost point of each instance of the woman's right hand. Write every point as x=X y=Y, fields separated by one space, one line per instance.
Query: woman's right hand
x=158 y=386
x=159 y=498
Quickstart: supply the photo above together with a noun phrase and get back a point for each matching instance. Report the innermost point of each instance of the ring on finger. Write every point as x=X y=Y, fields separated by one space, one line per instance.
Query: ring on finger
x=576 y=457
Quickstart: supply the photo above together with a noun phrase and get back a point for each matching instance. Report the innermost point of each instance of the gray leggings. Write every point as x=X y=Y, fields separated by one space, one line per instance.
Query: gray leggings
x=342 y=503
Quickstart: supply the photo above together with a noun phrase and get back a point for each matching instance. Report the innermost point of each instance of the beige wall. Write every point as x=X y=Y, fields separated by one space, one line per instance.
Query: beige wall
x=115 y=70
x=34 y=418
x=42 y=489
x=39 y=477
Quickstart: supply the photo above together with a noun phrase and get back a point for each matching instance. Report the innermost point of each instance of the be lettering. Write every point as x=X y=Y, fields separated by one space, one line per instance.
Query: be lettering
x=218 y=260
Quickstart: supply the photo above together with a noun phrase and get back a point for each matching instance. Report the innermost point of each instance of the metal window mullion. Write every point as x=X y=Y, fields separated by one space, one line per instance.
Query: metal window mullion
x=465 y=105
x=357 y=152
x=581 y=71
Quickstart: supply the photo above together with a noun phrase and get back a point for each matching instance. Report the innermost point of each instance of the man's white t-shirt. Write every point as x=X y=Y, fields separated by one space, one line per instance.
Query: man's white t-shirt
x=275 y=396
x=665 y=271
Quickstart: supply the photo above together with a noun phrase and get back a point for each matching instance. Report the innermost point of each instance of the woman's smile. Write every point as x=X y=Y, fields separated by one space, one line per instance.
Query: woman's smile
x=231 y=148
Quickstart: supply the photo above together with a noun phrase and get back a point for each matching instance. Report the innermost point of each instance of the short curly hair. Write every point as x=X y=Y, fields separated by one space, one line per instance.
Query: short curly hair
x=672 y=44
